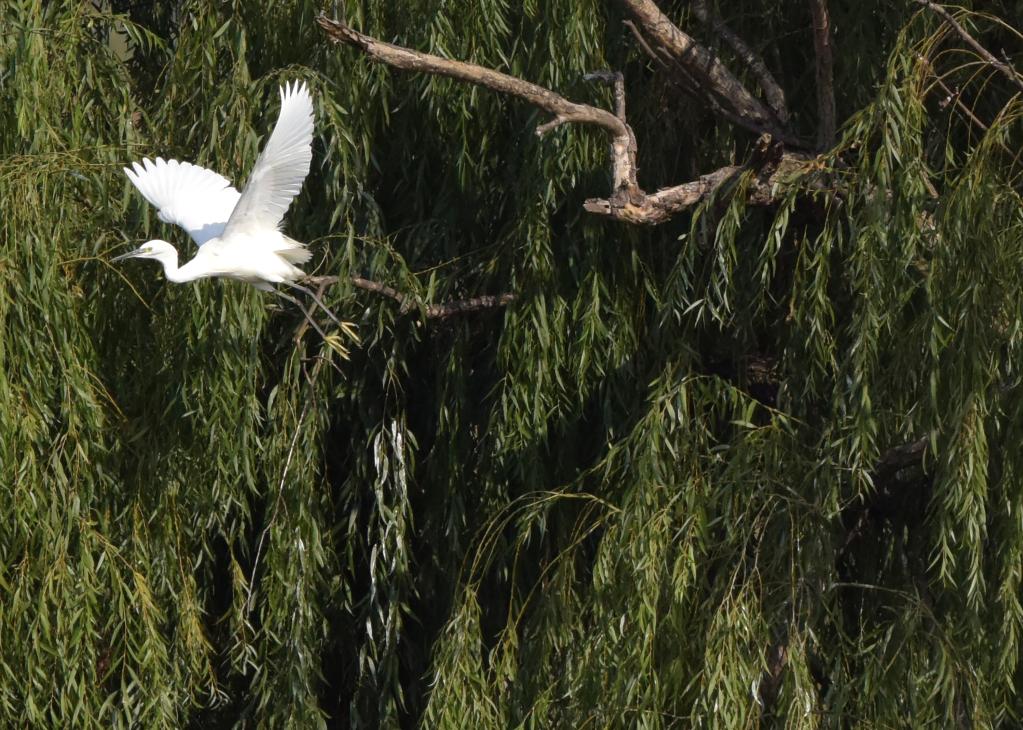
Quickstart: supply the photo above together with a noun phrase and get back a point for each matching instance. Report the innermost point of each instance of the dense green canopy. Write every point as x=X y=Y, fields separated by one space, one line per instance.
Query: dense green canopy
x=757 y=465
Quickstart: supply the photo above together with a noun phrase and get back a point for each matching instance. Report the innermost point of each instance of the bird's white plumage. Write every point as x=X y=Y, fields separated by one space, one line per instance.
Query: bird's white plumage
x=238 y=233
x=197 y=199
x=281 y=168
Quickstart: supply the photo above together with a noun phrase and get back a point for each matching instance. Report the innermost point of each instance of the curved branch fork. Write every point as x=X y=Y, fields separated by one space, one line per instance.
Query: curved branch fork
x=627 y=202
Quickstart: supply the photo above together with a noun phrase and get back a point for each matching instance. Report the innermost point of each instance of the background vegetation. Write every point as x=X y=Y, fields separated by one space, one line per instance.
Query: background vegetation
x=754 y=466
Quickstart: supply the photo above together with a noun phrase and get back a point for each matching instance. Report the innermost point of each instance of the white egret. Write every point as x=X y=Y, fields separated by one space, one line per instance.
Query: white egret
x=238 y=234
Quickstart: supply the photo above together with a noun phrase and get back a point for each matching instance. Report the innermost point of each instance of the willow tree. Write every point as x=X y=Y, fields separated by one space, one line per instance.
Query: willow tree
x=686 y=390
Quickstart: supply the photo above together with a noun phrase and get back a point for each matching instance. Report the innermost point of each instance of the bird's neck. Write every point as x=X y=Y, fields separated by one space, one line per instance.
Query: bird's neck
x=169 y=261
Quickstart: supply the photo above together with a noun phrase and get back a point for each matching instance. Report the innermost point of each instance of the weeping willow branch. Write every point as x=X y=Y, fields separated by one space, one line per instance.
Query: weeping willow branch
x=627 y=202
x=825 y=74
x=1008 y=71
x=952 y=96
x=280 y=494
x=430 y=311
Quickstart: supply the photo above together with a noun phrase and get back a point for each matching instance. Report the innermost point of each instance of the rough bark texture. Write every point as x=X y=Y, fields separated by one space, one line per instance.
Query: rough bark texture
x=825 y=74
x=773 y=91
x=704 y=69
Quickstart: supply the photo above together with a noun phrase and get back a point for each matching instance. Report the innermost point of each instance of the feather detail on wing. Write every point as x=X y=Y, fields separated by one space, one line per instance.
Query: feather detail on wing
x=197 y=199
x=282 y=166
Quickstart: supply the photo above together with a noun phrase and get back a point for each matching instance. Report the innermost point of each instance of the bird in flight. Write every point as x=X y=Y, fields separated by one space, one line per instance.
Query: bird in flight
x=238 y=234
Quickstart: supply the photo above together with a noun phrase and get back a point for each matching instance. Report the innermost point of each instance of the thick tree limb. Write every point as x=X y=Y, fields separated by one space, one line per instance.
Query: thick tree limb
x=627 y=202
x=681 y=78
x=773 y=92
x=704 y=69
x=825 y=74
x=431 y=311
x=409 y=60
x=1008 y=71
x=661 y=206
x=622 y=139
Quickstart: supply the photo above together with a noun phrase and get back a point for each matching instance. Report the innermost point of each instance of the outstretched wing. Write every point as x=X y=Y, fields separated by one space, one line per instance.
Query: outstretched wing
x=197 y=199
x=282 y=165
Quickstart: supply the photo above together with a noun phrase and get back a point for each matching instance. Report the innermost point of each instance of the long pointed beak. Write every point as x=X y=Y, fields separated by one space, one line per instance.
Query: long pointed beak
x=129 y=255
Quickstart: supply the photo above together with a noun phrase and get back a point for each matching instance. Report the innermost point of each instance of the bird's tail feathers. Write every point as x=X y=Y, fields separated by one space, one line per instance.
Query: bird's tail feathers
x=294 y=252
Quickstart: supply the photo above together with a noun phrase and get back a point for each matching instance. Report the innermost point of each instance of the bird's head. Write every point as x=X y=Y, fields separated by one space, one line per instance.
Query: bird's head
x=155 y=249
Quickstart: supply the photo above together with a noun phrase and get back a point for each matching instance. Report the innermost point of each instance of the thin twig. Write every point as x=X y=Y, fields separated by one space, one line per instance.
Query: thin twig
x=301 y=307
x=984 y=53
x=430 y=311
x=642 y=42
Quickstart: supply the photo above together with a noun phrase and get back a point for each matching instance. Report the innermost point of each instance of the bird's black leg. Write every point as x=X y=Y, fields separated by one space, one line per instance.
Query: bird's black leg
x=301 y=308
x=316 y=299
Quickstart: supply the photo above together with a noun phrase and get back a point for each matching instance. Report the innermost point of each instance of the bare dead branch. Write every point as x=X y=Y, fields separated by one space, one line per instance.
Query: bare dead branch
x=655 y=208
x=552 y=124
x=627 y=202
x=643 y=44
x=681 y=77
x=1008 y=71
x=410 y=60
x=430 y=311
x=825 y=74
x=373 y=286
x=473 y=304
x=618 y=81
x=563 y=110
x=710 y=75
x=773 y=92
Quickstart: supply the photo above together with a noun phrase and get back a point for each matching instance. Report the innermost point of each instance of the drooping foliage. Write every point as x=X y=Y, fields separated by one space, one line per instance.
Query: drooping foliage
x=753 y=466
